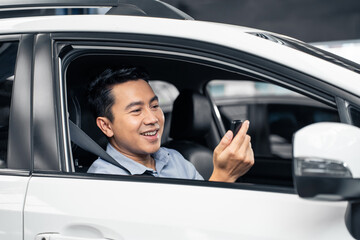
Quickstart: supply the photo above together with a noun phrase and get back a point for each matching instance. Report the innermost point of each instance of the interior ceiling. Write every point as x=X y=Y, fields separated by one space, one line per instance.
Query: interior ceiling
x=188 y=74
x=307 y=20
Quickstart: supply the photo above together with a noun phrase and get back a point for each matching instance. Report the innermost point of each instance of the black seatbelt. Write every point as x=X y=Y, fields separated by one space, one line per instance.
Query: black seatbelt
x=80 y=138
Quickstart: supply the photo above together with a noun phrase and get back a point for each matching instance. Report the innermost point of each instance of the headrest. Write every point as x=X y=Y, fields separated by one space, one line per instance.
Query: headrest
x=191 y=116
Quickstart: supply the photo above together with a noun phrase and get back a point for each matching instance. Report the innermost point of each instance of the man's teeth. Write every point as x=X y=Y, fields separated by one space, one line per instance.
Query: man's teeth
x=150 y=133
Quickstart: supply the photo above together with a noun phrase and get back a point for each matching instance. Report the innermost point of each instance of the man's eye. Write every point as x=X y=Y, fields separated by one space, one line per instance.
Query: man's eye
x=155 y=106
x=136 y=110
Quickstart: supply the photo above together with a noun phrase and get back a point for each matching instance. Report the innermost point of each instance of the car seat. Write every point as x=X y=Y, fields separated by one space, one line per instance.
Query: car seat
x=190 y=124
x=80 y=114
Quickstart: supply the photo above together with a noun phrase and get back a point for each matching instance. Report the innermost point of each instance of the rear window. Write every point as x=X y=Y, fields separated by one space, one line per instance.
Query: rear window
x=8 y=53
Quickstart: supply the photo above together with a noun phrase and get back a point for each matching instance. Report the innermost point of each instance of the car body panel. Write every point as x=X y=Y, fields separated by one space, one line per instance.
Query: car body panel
x=12 y=198
x=89 y=208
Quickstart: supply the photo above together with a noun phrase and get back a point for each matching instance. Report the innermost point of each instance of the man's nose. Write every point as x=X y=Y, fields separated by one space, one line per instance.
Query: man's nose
x=150 y=117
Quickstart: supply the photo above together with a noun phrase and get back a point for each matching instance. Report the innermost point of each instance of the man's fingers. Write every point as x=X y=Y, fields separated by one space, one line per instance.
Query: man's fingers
x=246 y=143
x=246 y=150
x=250 y=155
x=225 y=141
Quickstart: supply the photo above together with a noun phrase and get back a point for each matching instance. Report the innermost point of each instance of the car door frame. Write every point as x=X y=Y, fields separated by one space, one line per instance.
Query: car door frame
x=60 y=170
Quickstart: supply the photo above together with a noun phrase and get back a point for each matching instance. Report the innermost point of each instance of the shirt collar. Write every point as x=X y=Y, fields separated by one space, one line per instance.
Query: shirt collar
x=161 y=158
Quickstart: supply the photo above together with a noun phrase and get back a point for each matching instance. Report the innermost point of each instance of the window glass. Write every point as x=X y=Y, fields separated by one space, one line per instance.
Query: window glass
x=275 y=114
x=8 y=51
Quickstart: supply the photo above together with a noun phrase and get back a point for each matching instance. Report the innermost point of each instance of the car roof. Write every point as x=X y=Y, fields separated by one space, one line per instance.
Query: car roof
x=231 y=36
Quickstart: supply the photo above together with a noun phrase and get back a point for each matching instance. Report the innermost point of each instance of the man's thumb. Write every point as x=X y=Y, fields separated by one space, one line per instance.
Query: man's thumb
x=225 y=141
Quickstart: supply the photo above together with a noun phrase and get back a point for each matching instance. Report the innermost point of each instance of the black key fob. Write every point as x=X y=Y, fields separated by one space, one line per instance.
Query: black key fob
x=235 y=126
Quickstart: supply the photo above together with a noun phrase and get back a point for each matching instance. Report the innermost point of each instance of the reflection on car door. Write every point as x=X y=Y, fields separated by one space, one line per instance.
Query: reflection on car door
x=12 y=196
x=111 y=208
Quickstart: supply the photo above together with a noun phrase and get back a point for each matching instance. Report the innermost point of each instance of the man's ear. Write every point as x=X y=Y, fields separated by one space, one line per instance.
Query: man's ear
x=105 y=126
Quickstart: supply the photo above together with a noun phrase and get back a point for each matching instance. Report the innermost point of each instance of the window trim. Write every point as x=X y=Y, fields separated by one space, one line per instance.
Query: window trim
x=46 y=157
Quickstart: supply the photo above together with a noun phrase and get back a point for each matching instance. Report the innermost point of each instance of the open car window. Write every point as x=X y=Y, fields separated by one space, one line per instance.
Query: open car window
x=248 y=96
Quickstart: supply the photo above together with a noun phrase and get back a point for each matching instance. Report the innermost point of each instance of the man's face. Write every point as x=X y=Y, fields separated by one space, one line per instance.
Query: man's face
x=138 y=121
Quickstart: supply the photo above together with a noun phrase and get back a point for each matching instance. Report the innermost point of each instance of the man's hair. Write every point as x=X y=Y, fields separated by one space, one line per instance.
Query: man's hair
x=99 y=91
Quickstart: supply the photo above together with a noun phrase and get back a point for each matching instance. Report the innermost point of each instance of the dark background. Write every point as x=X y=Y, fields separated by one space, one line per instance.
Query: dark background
x=307 y=20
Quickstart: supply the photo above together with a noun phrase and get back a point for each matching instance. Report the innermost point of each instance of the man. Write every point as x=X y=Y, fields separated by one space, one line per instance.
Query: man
x=127 y=111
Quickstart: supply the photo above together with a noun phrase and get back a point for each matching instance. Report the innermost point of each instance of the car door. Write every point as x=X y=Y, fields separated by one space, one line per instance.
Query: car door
x=62 y=203
x=15 y=136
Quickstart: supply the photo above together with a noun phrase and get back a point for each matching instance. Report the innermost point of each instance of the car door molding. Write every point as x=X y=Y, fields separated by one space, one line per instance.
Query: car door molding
x=156 y=180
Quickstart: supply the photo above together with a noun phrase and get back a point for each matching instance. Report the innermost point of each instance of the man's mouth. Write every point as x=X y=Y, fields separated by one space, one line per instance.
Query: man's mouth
x=150 y=133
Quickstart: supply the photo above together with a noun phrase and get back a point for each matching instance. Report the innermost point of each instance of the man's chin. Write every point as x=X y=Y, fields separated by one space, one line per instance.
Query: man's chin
x=153 y=149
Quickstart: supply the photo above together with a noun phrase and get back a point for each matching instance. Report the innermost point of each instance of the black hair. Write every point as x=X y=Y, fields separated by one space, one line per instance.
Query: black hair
x=100 y=97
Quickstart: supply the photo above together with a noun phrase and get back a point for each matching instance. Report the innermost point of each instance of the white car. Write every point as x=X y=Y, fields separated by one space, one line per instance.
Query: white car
x=46 y=63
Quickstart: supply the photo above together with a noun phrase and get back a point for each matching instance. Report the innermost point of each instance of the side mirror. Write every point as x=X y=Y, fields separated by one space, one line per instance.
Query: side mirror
x=326 y=161
x=326 y=166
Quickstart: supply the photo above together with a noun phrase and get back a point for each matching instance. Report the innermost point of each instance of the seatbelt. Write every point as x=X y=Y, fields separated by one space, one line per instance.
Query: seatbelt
x=80 y=138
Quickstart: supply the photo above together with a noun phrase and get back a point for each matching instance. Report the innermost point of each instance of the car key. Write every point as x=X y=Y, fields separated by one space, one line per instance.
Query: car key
x=235 y=126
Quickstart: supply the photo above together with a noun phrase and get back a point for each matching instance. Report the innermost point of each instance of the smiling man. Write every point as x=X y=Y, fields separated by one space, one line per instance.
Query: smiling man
x=127 y=111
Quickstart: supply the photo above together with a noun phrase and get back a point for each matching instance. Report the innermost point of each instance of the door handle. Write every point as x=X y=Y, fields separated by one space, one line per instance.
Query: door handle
x=57 y=236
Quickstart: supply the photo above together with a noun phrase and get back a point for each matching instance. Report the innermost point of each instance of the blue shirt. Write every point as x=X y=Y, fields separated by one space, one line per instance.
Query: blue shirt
x=168 y=163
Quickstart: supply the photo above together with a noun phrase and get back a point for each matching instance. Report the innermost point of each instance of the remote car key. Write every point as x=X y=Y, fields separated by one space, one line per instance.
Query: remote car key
x=235 y=126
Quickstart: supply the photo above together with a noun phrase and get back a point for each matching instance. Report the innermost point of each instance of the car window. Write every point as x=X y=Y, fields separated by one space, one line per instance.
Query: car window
x=8 y=52
x=239 y=99
x=275 y=114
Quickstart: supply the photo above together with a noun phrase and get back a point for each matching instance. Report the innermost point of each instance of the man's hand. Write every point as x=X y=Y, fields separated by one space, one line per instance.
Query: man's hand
x=233 y=159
